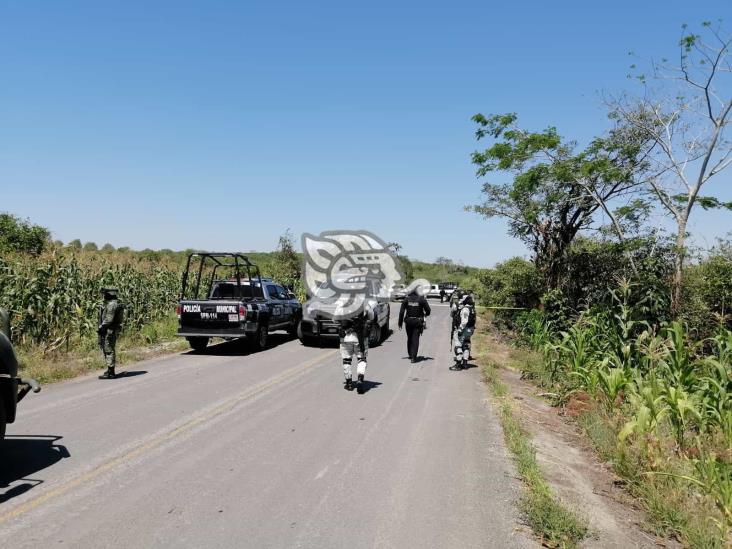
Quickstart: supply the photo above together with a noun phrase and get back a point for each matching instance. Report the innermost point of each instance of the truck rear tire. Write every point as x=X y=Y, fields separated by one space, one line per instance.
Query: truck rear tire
x=198 y=343
x=259 y=340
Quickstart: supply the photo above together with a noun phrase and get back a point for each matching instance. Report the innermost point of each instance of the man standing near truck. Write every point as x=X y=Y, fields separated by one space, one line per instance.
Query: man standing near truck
x=111 y=313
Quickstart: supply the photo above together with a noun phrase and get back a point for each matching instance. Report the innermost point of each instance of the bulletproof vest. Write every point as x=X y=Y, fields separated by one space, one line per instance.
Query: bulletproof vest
x=414 y=307
x=471 y=317
x=119 y=312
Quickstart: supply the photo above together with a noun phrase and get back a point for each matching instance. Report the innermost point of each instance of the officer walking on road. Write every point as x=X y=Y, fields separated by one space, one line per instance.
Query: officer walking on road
x=354 y=343
x=413 y=311
x=111 y=314
x=463 y=328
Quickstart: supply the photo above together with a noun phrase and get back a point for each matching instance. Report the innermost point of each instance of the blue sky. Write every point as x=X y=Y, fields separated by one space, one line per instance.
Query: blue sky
x=221 y=124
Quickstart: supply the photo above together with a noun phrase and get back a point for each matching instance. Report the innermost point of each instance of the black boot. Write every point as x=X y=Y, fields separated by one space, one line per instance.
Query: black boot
x=109 y=374
x=349 y=384
x=359 y=384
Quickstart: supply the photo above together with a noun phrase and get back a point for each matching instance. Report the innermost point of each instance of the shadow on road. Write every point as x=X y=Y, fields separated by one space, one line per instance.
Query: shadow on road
x=465 y=367
x=22 y=457
x=367 y=385
x=240 y=347
x=131 y=373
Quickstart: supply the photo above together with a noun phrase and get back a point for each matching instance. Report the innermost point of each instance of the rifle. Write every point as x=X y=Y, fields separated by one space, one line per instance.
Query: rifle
x=452 y=332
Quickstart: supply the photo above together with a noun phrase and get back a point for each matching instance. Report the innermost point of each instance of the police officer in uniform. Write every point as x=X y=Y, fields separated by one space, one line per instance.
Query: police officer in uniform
x=354 y=344
x=463 y=328
x=412 y=313
x=111 y=314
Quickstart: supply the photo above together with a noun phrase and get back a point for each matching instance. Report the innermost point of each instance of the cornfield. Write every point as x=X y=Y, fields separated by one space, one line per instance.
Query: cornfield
x=54 y=299
x=655 y=382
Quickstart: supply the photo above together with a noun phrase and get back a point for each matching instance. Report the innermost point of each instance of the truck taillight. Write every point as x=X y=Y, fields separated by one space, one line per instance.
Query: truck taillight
x=177 y=311
x=242 y=312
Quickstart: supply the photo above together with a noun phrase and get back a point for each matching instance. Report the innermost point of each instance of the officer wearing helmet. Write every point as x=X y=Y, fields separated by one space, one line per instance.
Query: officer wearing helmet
x=463 y=327
x=111 y=314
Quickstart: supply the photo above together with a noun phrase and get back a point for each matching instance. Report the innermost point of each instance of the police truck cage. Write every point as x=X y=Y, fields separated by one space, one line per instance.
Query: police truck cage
x=232 y=269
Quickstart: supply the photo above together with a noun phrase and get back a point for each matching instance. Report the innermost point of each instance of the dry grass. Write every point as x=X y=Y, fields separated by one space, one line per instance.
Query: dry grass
x=154 y=339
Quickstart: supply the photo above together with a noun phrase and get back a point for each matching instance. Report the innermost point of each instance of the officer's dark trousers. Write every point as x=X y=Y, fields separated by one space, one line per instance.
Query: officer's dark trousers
x=414 y=330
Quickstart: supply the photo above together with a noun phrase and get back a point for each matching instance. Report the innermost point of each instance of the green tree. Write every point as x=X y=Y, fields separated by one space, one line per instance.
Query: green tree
x=75 y=244
x=22 y=236
x=108 y=248
x=286 y=267
x=555 y=191
x=90 y=247
x=683 y=113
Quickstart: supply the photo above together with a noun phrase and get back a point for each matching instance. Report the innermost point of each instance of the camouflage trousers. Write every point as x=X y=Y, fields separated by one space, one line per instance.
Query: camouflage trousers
x=461 y=343
x=107 y=343
x=351 y=348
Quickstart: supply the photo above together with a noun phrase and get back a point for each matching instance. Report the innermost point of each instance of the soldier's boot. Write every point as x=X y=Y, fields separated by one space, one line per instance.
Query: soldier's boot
x=359 y=384
x=349 y=384
x=109 y=374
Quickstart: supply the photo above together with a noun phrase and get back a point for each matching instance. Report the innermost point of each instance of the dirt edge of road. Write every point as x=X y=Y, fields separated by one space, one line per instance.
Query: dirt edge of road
x=574 y=472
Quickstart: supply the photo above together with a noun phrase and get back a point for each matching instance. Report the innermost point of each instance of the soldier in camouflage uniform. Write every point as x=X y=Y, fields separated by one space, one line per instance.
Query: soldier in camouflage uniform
x=111 y=313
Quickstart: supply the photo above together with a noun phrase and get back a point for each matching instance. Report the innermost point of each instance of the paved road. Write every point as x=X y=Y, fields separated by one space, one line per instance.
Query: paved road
x=230 y=449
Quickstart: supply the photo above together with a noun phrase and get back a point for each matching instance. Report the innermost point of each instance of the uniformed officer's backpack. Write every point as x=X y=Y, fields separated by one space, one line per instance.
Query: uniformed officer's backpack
x=456 y=316
x=119 y=313
x=471 y=318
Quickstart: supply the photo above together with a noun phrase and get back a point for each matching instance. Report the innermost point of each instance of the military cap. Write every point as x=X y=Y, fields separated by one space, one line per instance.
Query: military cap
x=111 y=291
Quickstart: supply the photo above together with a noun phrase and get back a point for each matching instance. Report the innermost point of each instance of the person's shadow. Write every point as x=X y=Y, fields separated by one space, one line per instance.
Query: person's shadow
x=23 y=456
x=130 y=373
x=367 y=385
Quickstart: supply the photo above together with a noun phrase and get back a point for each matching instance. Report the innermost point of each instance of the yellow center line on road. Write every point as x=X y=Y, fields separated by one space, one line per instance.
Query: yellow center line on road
x=159 y=440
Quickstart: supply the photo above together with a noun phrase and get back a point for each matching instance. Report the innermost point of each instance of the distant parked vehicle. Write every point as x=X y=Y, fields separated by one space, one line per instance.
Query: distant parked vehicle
x=434 y=291
x=398 y=292
x=448 y=288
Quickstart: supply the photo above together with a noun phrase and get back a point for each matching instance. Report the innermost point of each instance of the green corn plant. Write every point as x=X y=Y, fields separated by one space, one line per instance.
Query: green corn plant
x=613 y=380
x=650 y=407
x=716 y=396
x=683 y=408
x=677 y=364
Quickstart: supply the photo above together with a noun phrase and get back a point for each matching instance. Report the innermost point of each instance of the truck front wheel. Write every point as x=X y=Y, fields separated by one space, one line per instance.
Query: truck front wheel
x=198 y=343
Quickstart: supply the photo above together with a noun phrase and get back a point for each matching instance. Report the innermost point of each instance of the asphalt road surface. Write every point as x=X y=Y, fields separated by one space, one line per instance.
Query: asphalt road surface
x=231 y=449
